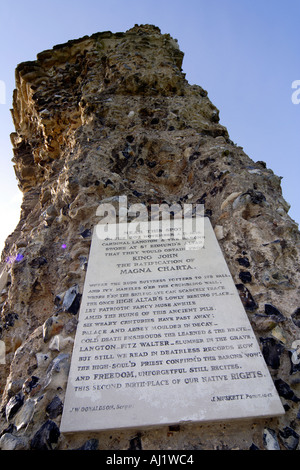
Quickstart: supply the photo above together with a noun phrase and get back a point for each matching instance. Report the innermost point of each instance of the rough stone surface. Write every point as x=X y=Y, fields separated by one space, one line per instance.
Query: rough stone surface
x=109 y=115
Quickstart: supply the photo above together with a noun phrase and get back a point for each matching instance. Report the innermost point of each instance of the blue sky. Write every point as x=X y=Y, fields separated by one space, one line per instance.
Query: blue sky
x=245 y=53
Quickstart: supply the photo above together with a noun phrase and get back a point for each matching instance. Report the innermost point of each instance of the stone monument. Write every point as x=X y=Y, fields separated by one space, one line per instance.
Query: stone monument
x=107 y=116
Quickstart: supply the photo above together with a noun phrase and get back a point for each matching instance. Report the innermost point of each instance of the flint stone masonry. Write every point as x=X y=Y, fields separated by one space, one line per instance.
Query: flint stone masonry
x=108 y=115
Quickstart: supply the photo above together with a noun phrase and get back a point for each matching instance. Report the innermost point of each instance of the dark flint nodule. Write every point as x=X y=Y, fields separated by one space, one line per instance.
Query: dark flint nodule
x=272 y=351
x=14 y=405
x=274 y=312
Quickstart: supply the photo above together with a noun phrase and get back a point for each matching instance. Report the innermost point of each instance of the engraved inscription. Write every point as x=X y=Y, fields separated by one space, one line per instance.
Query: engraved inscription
x=163 y=338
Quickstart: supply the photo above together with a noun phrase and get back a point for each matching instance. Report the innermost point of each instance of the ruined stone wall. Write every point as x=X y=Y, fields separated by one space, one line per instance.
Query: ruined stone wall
x=109 y=115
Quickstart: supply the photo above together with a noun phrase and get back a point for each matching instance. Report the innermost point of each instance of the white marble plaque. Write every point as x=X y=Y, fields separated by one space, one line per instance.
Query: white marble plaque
x=162 y=339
